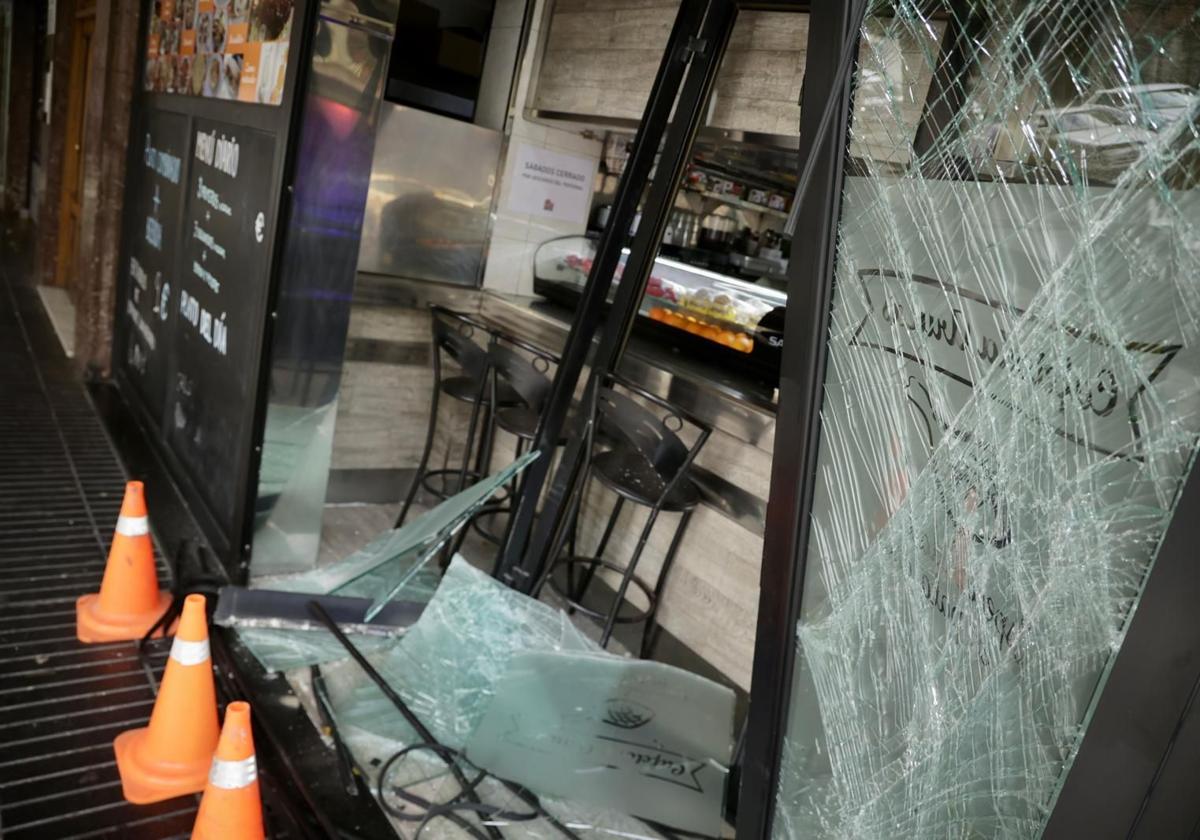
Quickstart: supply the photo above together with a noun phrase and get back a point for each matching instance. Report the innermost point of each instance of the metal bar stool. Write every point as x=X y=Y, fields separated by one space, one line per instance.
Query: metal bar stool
x=526 y=369
x=647 y=464
x=454 y=335
x=523 y=368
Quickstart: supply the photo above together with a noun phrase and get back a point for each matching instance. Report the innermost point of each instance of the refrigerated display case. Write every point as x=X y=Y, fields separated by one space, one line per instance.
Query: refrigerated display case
x=734 y=323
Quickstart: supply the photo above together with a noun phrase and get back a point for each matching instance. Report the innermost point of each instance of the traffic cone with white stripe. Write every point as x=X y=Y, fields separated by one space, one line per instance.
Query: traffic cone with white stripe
x=231 y=808
x=129 y=600
x=171 y=756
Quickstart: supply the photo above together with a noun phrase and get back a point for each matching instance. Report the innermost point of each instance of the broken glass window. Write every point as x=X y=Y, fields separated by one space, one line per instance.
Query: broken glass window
x=1011 y=405
x=431 y=528
x=446 y=666
x=284 y=649
x=642 y=737
x=482 y=658
x=395 y=565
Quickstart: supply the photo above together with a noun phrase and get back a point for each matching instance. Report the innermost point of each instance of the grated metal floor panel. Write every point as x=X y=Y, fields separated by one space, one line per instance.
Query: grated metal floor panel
x=61 y=702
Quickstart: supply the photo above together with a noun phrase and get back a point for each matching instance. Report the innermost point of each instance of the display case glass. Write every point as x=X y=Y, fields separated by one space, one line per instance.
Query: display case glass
x=693 y=309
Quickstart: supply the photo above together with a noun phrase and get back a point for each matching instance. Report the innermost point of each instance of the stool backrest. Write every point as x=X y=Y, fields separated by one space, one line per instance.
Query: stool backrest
x=647 y=432
x=453 y=335
x=525 y=374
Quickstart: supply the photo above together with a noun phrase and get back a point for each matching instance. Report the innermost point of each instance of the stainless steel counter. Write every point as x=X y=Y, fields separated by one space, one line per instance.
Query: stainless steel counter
x=740 y=407
x=741 y=412
x=737 y=406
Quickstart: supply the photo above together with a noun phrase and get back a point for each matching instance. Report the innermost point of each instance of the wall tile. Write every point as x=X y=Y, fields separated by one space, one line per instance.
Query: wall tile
x=508 y=262
x=573 y=143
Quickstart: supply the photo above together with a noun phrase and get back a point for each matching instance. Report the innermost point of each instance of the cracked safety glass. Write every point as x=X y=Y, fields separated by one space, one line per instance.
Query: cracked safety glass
x=394 y=566
x=641 y=737
x=534 y=727
x=1010 y=407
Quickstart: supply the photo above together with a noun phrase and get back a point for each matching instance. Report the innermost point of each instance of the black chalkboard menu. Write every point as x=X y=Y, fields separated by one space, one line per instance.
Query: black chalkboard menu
x=153 y=202
x=205 y=188
x=224 y=252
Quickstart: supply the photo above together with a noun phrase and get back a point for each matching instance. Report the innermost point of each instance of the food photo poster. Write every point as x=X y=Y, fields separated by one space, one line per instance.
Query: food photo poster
x=220 y=49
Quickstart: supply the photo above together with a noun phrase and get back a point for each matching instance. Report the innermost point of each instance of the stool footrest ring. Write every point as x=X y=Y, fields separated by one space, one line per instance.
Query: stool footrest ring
x=500 y=506
x=638 y=615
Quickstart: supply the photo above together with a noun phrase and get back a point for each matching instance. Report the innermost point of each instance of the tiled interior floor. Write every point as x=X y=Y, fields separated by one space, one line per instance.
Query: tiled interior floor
x=348 y=527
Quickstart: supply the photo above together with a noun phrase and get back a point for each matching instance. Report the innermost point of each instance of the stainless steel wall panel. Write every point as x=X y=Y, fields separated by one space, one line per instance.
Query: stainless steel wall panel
x=430 y=197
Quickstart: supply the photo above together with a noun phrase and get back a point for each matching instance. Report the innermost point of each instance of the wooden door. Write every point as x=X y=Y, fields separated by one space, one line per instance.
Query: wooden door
x=73 y=154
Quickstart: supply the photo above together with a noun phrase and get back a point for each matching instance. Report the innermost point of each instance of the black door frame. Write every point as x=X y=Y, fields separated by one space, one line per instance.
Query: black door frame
x=823 y=142
x=521 y=561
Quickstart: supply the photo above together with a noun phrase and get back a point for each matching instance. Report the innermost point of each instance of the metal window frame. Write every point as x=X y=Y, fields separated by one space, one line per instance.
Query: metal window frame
x=673 y=112
x=801 y=385
x=1111 y=782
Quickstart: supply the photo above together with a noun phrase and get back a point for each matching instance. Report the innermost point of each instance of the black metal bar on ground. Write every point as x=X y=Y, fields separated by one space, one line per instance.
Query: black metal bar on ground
x=422 y=731
x=396 y=700
x=827 y=85
x=344 y=762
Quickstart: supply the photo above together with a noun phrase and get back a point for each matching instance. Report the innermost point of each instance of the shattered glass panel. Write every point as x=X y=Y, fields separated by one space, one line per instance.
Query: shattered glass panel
x=393 y=566
x=482 y=657
x=638 y=736
x=584 y=821
x=446 y=666
x=282 y=650
x=432 y=527
x=297 y=444
x=1011 y=405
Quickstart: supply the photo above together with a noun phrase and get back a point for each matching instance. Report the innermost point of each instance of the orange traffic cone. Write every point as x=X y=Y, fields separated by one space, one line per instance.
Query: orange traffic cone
x=172 y=755
x=231 y=808
x=129 y=601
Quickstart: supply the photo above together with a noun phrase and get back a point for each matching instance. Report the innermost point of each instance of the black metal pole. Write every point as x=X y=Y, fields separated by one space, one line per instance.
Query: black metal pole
x=703 y=52
x=595 y=292
x=797 y=426
x=422 y=731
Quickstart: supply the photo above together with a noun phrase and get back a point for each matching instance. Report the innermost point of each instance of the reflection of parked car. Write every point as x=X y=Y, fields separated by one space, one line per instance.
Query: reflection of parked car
x=1152 y=106
x=1101 y=141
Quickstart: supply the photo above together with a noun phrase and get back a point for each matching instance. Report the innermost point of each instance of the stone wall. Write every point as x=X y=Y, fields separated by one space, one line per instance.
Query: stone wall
x=20 y=107
x=600 y=59
x=109 y=96
x=50 y=141
x=32 y=180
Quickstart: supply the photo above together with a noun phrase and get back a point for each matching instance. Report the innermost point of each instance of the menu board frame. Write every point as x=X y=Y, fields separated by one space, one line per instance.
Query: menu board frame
x=227 y=529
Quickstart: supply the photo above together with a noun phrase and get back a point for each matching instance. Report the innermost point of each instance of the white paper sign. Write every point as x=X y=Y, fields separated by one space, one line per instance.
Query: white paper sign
x=551 y=184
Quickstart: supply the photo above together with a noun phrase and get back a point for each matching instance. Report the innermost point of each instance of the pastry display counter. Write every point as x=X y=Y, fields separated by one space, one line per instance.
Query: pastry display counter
x=733 y=323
